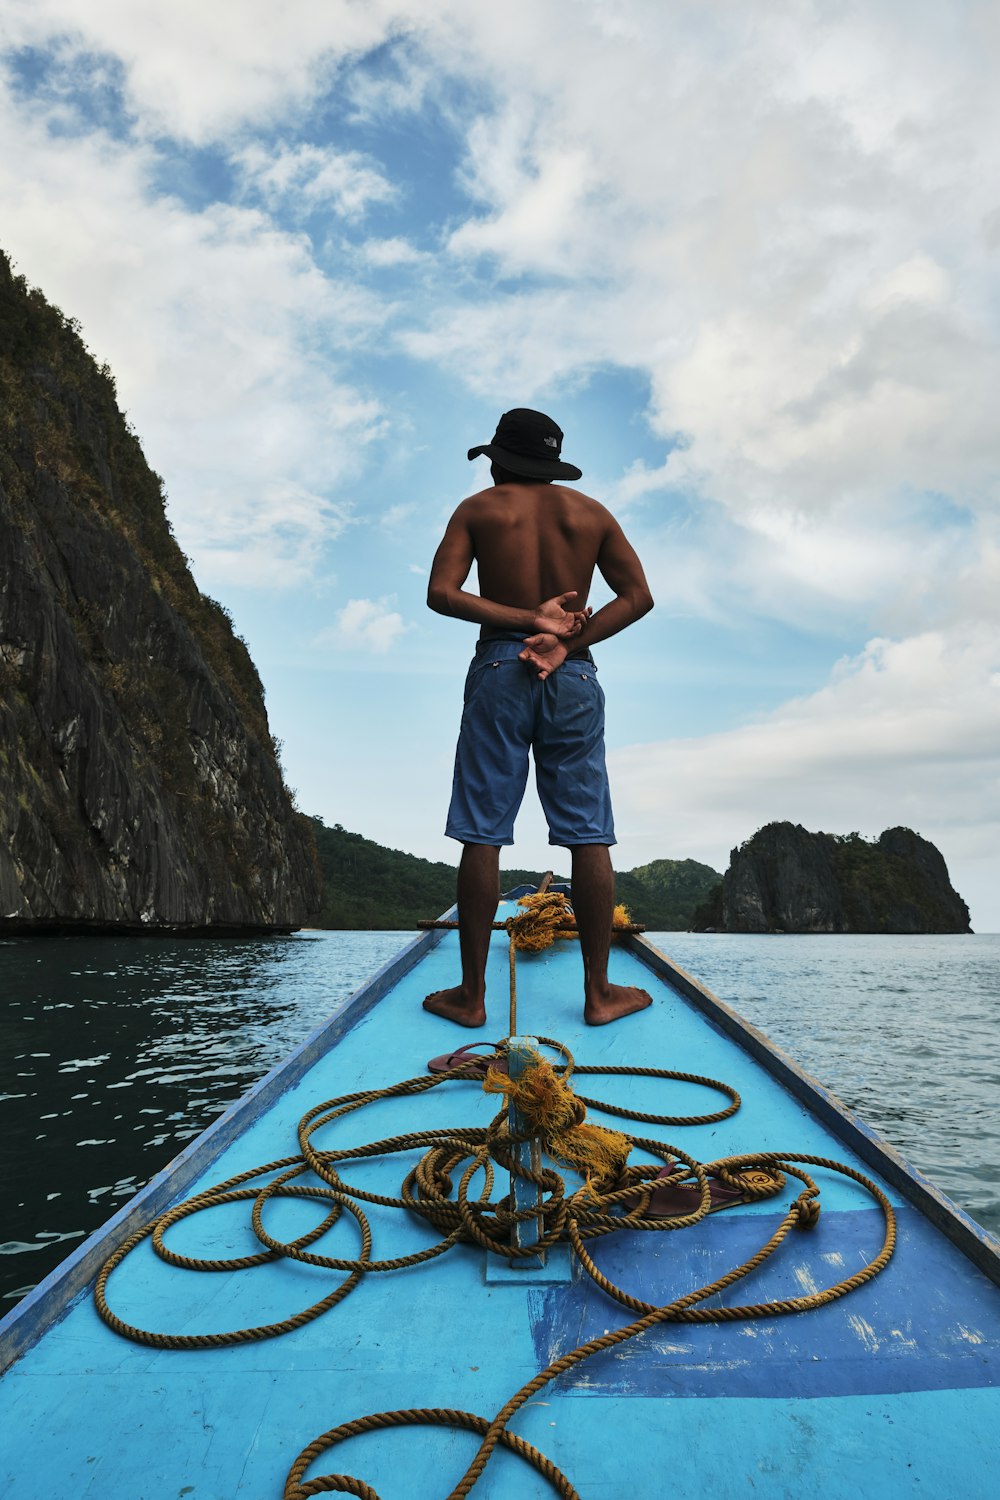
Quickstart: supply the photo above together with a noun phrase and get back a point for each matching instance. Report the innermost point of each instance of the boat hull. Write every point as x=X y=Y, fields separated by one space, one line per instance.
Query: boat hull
x=854 y=1398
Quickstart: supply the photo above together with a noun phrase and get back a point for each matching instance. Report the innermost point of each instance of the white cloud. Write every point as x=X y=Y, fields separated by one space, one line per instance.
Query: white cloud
x=392 y=252
x=526 y=342
x=785 y=229
x=919 y=280
x=542 y=199
x=887 y=399
x=366 y=625
x=401 y=93
x=305 y=178
x=272 y=539
x=395 y=516
x=908 y=732
x=199 y=72
x=210 y=321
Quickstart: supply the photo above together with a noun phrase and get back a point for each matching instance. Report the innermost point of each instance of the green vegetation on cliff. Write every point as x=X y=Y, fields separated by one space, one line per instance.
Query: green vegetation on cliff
x=139 y=782
x=899 y=882
x=369 y=886
x=665 y=893
x=59 y=406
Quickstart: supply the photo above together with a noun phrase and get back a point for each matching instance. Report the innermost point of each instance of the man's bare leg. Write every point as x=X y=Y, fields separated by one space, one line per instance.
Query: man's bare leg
x=593 y=905
x=478 y=894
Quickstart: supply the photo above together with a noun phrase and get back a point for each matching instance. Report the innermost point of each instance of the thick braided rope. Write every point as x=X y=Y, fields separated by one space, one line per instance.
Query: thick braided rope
x=749 y=1173
x=426 y=1191
x=683 y=1309
x=672 y=1073
x=210 y=1199
x=543 y=917
x=546 y=915
x=295 y=1488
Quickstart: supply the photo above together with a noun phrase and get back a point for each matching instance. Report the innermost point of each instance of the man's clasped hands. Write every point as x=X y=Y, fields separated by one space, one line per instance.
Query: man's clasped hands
x=546 y=650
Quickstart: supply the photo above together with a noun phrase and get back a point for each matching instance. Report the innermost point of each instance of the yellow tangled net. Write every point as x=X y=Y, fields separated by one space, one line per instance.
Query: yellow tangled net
x=551 y=1110
x=544 y=914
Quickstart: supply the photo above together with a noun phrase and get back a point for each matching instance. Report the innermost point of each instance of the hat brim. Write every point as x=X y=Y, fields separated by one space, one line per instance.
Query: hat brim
x=527 y=468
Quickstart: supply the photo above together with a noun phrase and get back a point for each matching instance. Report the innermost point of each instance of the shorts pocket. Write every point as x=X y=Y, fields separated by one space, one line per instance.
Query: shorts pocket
x=494 y=675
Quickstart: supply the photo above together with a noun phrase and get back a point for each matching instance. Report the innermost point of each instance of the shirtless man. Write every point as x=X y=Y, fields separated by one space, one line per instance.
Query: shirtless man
x=532 y=684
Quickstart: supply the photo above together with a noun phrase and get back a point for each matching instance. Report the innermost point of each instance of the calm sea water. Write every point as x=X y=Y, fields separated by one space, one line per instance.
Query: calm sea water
x=118 y=1050
x=905 y=1030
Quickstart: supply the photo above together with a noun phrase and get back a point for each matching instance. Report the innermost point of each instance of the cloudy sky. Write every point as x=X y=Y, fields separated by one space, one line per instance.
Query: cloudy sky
x=747 y=255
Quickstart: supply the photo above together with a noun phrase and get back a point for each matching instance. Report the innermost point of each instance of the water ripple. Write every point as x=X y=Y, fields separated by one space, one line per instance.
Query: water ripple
x=127 y=1048
x=902 y=1029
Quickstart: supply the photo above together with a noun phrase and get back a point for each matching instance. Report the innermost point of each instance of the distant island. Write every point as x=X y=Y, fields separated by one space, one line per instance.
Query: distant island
x=785 y=879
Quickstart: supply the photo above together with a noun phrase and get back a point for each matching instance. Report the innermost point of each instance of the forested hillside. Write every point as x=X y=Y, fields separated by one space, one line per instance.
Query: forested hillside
x=665 y=894
x=369 y=886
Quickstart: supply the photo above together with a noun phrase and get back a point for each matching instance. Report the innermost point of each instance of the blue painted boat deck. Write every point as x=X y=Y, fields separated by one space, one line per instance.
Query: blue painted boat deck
x=892 y=1390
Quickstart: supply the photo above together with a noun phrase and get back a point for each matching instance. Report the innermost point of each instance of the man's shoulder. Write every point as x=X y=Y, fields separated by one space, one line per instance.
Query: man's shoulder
x=575 y=497
x=482 y=503
x=495 y=501
x=577 y=503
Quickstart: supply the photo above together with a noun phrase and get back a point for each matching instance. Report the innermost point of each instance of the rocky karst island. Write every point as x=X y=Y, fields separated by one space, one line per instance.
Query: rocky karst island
x=786 y=879
x=139 y=784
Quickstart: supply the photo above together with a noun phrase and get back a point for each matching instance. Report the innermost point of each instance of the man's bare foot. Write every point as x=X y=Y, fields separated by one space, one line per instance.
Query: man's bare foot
x=616 y=1001
x=456 y=1005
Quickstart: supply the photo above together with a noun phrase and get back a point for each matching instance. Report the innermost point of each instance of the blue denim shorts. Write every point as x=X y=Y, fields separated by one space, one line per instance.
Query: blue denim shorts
x=508 y=712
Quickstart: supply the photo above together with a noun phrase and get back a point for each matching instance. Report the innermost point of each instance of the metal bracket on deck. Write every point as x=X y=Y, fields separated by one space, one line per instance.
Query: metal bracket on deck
x=522 y=1053
x=554 y=1265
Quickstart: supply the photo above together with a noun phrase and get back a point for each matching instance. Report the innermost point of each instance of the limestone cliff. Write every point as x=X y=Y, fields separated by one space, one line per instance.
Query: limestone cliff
x=139 y=785
x=789 y=880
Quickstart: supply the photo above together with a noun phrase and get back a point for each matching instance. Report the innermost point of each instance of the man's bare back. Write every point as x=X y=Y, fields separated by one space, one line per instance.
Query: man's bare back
x=534 y=542
x=533 y=539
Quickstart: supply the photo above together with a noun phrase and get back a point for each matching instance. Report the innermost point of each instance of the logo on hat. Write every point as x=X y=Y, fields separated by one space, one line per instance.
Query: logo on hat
x=551 y=442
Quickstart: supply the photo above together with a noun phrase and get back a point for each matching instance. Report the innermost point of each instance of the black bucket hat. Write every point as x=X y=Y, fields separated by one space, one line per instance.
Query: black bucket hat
x=528 y=443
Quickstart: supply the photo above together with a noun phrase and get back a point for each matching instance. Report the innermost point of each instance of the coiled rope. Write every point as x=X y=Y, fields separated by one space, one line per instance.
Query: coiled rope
x=614 y=1196
x=585 y=1214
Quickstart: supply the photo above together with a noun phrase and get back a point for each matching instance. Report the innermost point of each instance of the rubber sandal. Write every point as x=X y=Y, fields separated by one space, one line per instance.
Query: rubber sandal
x=670 y=1200
x=471 y=1065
